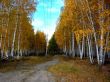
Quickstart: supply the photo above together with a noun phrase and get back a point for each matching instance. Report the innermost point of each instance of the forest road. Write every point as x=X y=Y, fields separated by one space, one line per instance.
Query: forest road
x=29 y=73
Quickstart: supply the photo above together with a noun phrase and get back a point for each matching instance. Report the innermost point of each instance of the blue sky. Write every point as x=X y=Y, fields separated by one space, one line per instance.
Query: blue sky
x=46 y=16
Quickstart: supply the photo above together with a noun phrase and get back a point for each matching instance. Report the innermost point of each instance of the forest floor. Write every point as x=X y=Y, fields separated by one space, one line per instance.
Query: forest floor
x=76 y=70
x=52 y=69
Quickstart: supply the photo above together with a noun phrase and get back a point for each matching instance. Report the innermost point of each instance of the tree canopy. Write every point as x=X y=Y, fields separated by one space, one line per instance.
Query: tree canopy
x=83 y=29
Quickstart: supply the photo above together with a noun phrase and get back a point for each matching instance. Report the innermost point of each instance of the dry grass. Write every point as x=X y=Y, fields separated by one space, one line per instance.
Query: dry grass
x=7 y=66
x=76 y=70
x=36 y=60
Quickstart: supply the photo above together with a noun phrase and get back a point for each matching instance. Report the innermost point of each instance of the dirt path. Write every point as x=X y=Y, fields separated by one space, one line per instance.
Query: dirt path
x=29 y=73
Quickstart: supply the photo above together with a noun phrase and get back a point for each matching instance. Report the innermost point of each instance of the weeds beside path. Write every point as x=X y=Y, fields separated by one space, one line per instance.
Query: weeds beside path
x=76 y=70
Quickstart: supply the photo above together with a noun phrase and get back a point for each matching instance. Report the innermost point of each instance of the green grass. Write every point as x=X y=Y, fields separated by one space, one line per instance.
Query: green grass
x=8 y=66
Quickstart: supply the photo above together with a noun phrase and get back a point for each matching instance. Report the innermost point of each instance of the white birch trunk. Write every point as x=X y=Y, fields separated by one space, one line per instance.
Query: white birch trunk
x=90 y=49
x=18 y=54
x=21 y=53
x=65 y=48
x=73 y=47
x=70 y=49
x=81 y=48
x=94 y=33
x=101 y=22
x=14 y=35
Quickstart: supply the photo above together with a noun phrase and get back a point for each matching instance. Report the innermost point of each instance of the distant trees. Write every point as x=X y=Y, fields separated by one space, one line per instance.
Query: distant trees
x=53 y=46
x=83 y=29
x=40 y=43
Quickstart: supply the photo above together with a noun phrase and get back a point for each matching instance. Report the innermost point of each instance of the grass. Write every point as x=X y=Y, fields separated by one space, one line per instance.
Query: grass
x=7 y=66
x=36 y=59
x=65 y=67
x=76 y=70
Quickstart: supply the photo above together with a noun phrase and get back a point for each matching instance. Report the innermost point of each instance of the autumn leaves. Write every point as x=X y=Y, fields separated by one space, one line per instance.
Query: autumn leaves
x=82 y=30
x=17 y=36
